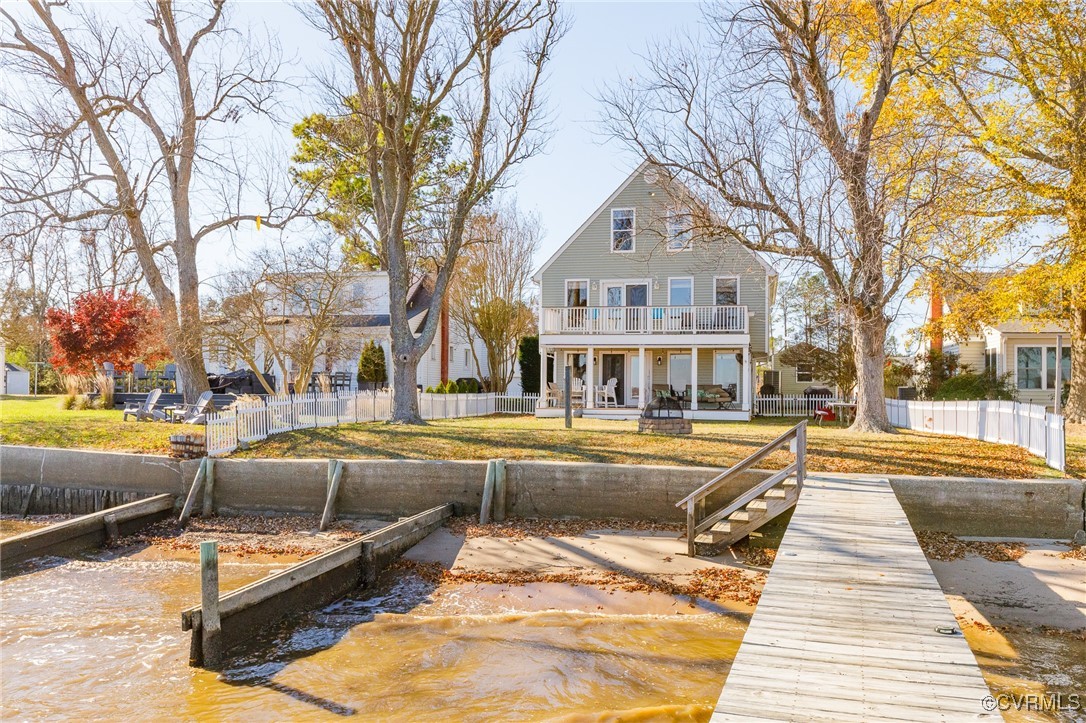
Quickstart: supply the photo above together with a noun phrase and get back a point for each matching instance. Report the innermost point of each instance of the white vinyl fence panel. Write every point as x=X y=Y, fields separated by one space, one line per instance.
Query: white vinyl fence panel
x=1029 y=426
x=791 y=406
x=252 y=421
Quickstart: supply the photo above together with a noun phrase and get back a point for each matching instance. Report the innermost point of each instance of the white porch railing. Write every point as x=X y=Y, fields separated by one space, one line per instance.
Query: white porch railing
x=1029 y=426
x=252 y=422
x=644 y=320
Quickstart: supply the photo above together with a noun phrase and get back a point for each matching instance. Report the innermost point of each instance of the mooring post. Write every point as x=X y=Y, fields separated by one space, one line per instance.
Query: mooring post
x=190 y=501
x=488 y=494
x=210 y=625
x=209 y=487
x=113 y=532
x=369 y=563
x=499 y=490
x=335 y=472
x=568 y=397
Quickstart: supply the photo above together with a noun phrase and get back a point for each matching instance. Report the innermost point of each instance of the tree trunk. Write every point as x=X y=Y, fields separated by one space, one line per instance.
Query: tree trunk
x=405 y=398
x=1075 y=409
x=869 y=349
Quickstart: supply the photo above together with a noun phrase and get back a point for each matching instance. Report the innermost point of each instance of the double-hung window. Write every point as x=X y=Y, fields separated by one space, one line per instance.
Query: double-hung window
x=678 y=231
x=577 y=293
x=1037 y=367
x=622 y=230
x=726 y=291
x=804 y=372
x=1030 y=370
x=1050 y=366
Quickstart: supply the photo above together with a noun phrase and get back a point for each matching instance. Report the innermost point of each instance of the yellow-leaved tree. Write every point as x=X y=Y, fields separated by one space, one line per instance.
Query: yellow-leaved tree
x=1008 y=79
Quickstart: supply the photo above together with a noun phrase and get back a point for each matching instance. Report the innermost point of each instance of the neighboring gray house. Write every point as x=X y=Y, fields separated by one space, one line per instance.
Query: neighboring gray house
x=629 y=297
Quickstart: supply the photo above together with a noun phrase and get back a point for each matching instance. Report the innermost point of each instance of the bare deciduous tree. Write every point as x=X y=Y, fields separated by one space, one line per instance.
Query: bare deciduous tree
x=288 y=304
x=121 y=121
x=411 y=62
x=489 y=294
x=779 y=127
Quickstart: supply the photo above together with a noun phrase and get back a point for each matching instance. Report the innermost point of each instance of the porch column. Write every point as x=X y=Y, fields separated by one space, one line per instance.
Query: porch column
x=748 y=381
x=642 y=388
x=590 y=383
x=542 y=375
x=693 y=379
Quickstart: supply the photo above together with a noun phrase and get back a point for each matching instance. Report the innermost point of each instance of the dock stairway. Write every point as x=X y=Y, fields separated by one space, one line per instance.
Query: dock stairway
x=778 y=493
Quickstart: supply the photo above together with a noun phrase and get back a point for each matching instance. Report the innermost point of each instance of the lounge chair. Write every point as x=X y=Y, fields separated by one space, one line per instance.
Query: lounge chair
x=193 y=413
x=145 y=411
x=555 y=397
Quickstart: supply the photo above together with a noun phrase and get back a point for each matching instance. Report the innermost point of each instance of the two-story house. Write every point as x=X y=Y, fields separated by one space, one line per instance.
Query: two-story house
x=361 y=316
x=631 y=296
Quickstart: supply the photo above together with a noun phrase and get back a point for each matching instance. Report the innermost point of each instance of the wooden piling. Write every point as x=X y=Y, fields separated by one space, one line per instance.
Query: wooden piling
x=335 y=472
x=211 y=626
x=190 y=501
x=29 y=496
x=209 y=487
x=499 y=490
x=488 y=494
x=113 y=533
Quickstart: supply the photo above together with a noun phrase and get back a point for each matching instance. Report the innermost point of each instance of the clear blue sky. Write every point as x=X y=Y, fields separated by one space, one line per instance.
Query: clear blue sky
x=580 y=166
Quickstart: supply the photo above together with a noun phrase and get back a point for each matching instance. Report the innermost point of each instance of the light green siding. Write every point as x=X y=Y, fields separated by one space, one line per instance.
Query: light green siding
x=589 y=257
x=790 y=387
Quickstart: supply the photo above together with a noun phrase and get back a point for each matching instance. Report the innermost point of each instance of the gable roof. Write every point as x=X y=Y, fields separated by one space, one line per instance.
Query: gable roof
x=538 y=275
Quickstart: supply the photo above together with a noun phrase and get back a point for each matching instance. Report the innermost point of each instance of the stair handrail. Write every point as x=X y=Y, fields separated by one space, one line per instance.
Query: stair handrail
x=690 y=502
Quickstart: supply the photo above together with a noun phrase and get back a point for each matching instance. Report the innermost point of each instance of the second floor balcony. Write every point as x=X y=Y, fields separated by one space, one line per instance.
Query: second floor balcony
x=644 y=320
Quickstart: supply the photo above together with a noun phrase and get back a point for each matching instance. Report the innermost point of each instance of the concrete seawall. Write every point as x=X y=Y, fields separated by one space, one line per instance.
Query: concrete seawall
x=964 y=506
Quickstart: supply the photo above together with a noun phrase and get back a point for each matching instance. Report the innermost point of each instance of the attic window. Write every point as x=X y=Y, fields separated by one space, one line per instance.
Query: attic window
x=622 y=230
x=678 y=231
x=804 y=372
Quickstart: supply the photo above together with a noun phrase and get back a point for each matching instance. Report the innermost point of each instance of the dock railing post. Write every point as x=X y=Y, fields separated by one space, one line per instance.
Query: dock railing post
x=499 y=490
x=801 y=454
x=210 y=625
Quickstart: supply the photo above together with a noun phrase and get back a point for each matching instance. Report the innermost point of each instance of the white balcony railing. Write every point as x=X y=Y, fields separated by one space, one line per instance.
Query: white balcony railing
x=645 y=320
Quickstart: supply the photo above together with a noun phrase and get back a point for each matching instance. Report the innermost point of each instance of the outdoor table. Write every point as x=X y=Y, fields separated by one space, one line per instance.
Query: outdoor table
x=845 y=408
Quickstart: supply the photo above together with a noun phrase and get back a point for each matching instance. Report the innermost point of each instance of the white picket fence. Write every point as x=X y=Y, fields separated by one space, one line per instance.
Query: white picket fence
x=1029 y=426
x=249 y=422
x=791 y=406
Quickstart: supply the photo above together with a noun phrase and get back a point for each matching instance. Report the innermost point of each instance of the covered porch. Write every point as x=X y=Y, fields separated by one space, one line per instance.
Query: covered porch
x=615 y=382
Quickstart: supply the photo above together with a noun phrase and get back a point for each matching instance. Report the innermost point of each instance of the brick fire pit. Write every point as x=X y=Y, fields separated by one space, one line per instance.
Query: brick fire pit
x=664 y=415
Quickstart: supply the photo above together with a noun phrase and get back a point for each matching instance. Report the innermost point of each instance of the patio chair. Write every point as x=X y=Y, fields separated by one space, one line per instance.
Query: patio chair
x=606 y=394
x=193 y=413
x=169 y=376
x=577 y=394
x=145 y=411
x=554 y=394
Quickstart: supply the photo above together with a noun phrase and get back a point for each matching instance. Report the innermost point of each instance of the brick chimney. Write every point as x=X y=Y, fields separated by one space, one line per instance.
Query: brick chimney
x=935 y=316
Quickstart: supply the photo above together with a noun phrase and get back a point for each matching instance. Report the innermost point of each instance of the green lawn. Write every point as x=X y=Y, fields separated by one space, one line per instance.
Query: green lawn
x=716 y=444
x=40 y=422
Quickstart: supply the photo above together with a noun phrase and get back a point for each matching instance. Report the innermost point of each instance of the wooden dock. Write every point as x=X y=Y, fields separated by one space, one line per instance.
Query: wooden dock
x=846 y=629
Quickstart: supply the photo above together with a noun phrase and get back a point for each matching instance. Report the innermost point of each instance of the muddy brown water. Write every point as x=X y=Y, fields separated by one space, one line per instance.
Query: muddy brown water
x=100 y=637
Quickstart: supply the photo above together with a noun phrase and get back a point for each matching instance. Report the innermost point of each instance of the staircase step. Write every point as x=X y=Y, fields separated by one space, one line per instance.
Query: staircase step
x=776 y=493
x=742 y=522
x=790 y=482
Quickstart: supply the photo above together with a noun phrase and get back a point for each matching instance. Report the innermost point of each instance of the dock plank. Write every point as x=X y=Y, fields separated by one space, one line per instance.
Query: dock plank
x=846 y=626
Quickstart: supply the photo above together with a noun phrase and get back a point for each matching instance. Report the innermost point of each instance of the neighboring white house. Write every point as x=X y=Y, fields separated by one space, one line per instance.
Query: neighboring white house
x=15 y=379
x=370 y=320
x=1024 y=348
x=630 y=297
